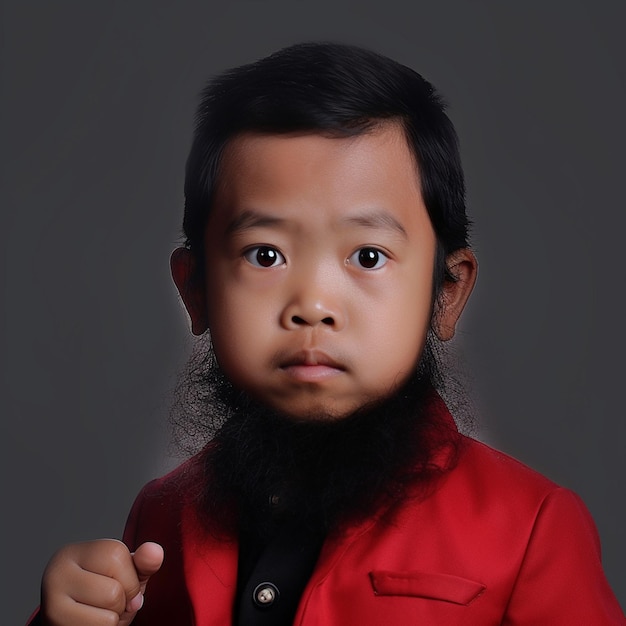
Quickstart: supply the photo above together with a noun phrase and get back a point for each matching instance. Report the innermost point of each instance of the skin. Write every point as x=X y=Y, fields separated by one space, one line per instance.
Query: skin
x=319 y=257
x=97 y=583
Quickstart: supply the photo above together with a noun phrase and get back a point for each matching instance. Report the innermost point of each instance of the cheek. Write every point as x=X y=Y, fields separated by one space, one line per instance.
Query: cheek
x=402 y=328
x=403 y=345
x=233 y=350
x=238 y=328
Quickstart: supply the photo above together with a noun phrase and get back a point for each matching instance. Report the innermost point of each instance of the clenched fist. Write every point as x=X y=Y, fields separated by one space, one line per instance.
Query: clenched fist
x=97 y=583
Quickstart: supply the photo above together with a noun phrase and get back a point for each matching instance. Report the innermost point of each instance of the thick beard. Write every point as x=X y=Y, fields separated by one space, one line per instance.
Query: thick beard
x=262 y=469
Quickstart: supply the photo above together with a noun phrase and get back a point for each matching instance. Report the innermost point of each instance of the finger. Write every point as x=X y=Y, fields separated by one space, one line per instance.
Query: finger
x=147 y=559
x=97 y=591
x=111 y=558
x=83 y=573
x=94 y=616
x=98 y=575
x=76 y=614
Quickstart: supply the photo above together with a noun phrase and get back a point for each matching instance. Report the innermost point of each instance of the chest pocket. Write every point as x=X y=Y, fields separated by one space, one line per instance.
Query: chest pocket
x=444 y=587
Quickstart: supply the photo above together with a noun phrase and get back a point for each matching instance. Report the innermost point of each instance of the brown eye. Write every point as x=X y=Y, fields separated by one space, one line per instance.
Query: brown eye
x=368 y=258
x=264 y=256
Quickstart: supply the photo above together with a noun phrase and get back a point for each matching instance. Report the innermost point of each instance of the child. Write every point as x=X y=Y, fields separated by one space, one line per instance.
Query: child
x=327 y=256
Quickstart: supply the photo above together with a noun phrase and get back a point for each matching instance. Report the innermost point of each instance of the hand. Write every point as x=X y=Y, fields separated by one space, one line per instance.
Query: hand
x=97 y=583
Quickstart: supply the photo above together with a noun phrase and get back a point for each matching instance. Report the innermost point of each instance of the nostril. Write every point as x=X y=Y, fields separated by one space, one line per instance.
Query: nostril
x=301 y=321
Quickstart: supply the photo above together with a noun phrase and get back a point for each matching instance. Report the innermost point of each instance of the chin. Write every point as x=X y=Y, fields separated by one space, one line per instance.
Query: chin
x=317 y=410
x=312 y=412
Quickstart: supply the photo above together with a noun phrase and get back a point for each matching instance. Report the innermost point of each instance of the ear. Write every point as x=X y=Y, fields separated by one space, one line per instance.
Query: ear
x=454 y=294
x=190 y=288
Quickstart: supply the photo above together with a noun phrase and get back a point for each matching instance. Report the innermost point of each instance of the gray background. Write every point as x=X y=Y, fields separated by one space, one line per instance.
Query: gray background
x=98 y=99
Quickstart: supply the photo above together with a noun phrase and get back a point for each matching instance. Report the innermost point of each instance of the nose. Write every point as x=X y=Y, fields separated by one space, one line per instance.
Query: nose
x=313 y=302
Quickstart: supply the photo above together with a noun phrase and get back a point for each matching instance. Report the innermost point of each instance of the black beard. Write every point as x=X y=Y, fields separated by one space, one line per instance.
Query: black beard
x=263 y=469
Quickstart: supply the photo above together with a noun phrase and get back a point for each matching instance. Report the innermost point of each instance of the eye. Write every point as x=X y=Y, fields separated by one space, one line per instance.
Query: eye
x=264 y=256
x=368 y=258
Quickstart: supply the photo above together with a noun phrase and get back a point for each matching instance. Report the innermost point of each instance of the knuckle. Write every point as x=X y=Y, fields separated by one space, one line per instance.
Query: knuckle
x=53 y=581
x=118 y=552
x=59 y=559
x=109 y=618
x=117 y=547
x=114 y=597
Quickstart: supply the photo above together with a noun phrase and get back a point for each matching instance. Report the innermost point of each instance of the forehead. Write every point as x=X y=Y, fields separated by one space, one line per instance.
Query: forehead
x=333 y=176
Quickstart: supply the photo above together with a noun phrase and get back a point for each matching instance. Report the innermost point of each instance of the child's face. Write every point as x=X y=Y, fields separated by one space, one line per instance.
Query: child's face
x=319 y=267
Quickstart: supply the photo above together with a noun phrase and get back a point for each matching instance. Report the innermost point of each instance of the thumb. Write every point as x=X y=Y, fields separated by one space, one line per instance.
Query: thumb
x=147 y=560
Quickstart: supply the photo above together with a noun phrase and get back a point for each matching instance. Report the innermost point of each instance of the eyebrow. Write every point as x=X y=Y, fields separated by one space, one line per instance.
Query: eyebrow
x=377 y=219
x=252 y=219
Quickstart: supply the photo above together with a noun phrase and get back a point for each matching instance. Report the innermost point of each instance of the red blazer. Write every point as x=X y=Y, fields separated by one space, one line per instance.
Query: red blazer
x=495 y=544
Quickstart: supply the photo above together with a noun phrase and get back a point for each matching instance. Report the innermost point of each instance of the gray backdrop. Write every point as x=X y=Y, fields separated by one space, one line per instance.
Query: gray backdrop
x=98 y=99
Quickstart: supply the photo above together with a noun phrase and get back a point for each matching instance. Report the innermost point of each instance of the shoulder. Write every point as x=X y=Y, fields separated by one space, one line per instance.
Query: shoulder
x=158 y=508
x=548 y=535
x=530 y=543
x=488 y=485
x=474 y=469
x=497 y=470
x=490 y=511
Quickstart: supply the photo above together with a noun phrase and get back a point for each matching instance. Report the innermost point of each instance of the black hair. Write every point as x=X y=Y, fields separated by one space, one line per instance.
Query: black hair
x=337 y=90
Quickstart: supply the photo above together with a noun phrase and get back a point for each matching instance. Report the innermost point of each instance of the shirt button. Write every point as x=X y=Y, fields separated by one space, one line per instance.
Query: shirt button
x=274 y=500
x=265 y=595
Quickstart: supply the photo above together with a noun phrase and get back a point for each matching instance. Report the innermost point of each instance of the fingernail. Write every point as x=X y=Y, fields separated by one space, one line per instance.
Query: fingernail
x=135 y=604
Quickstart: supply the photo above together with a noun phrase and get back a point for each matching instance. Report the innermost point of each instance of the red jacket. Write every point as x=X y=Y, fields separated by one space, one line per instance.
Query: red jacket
x=495 y=543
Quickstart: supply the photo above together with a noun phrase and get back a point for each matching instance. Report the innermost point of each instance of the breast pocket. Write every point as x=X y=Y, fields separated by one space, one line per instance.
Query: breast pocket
x=444 y=587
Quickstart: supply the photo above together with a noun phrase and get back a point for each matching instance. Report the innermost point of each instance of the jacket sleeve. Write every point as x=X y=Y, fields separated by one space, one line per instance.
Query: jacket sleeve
x=561 y=581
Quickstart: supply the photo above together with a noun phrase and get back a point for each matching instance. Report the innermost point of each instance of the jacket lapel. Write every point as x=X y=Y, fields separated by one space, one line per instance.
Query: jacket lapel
x=210 y=567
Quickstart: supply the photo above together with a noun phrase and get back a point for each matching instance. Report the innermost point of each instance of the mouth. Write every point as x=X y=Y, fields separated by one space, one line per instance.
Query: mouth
x=311 y=366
